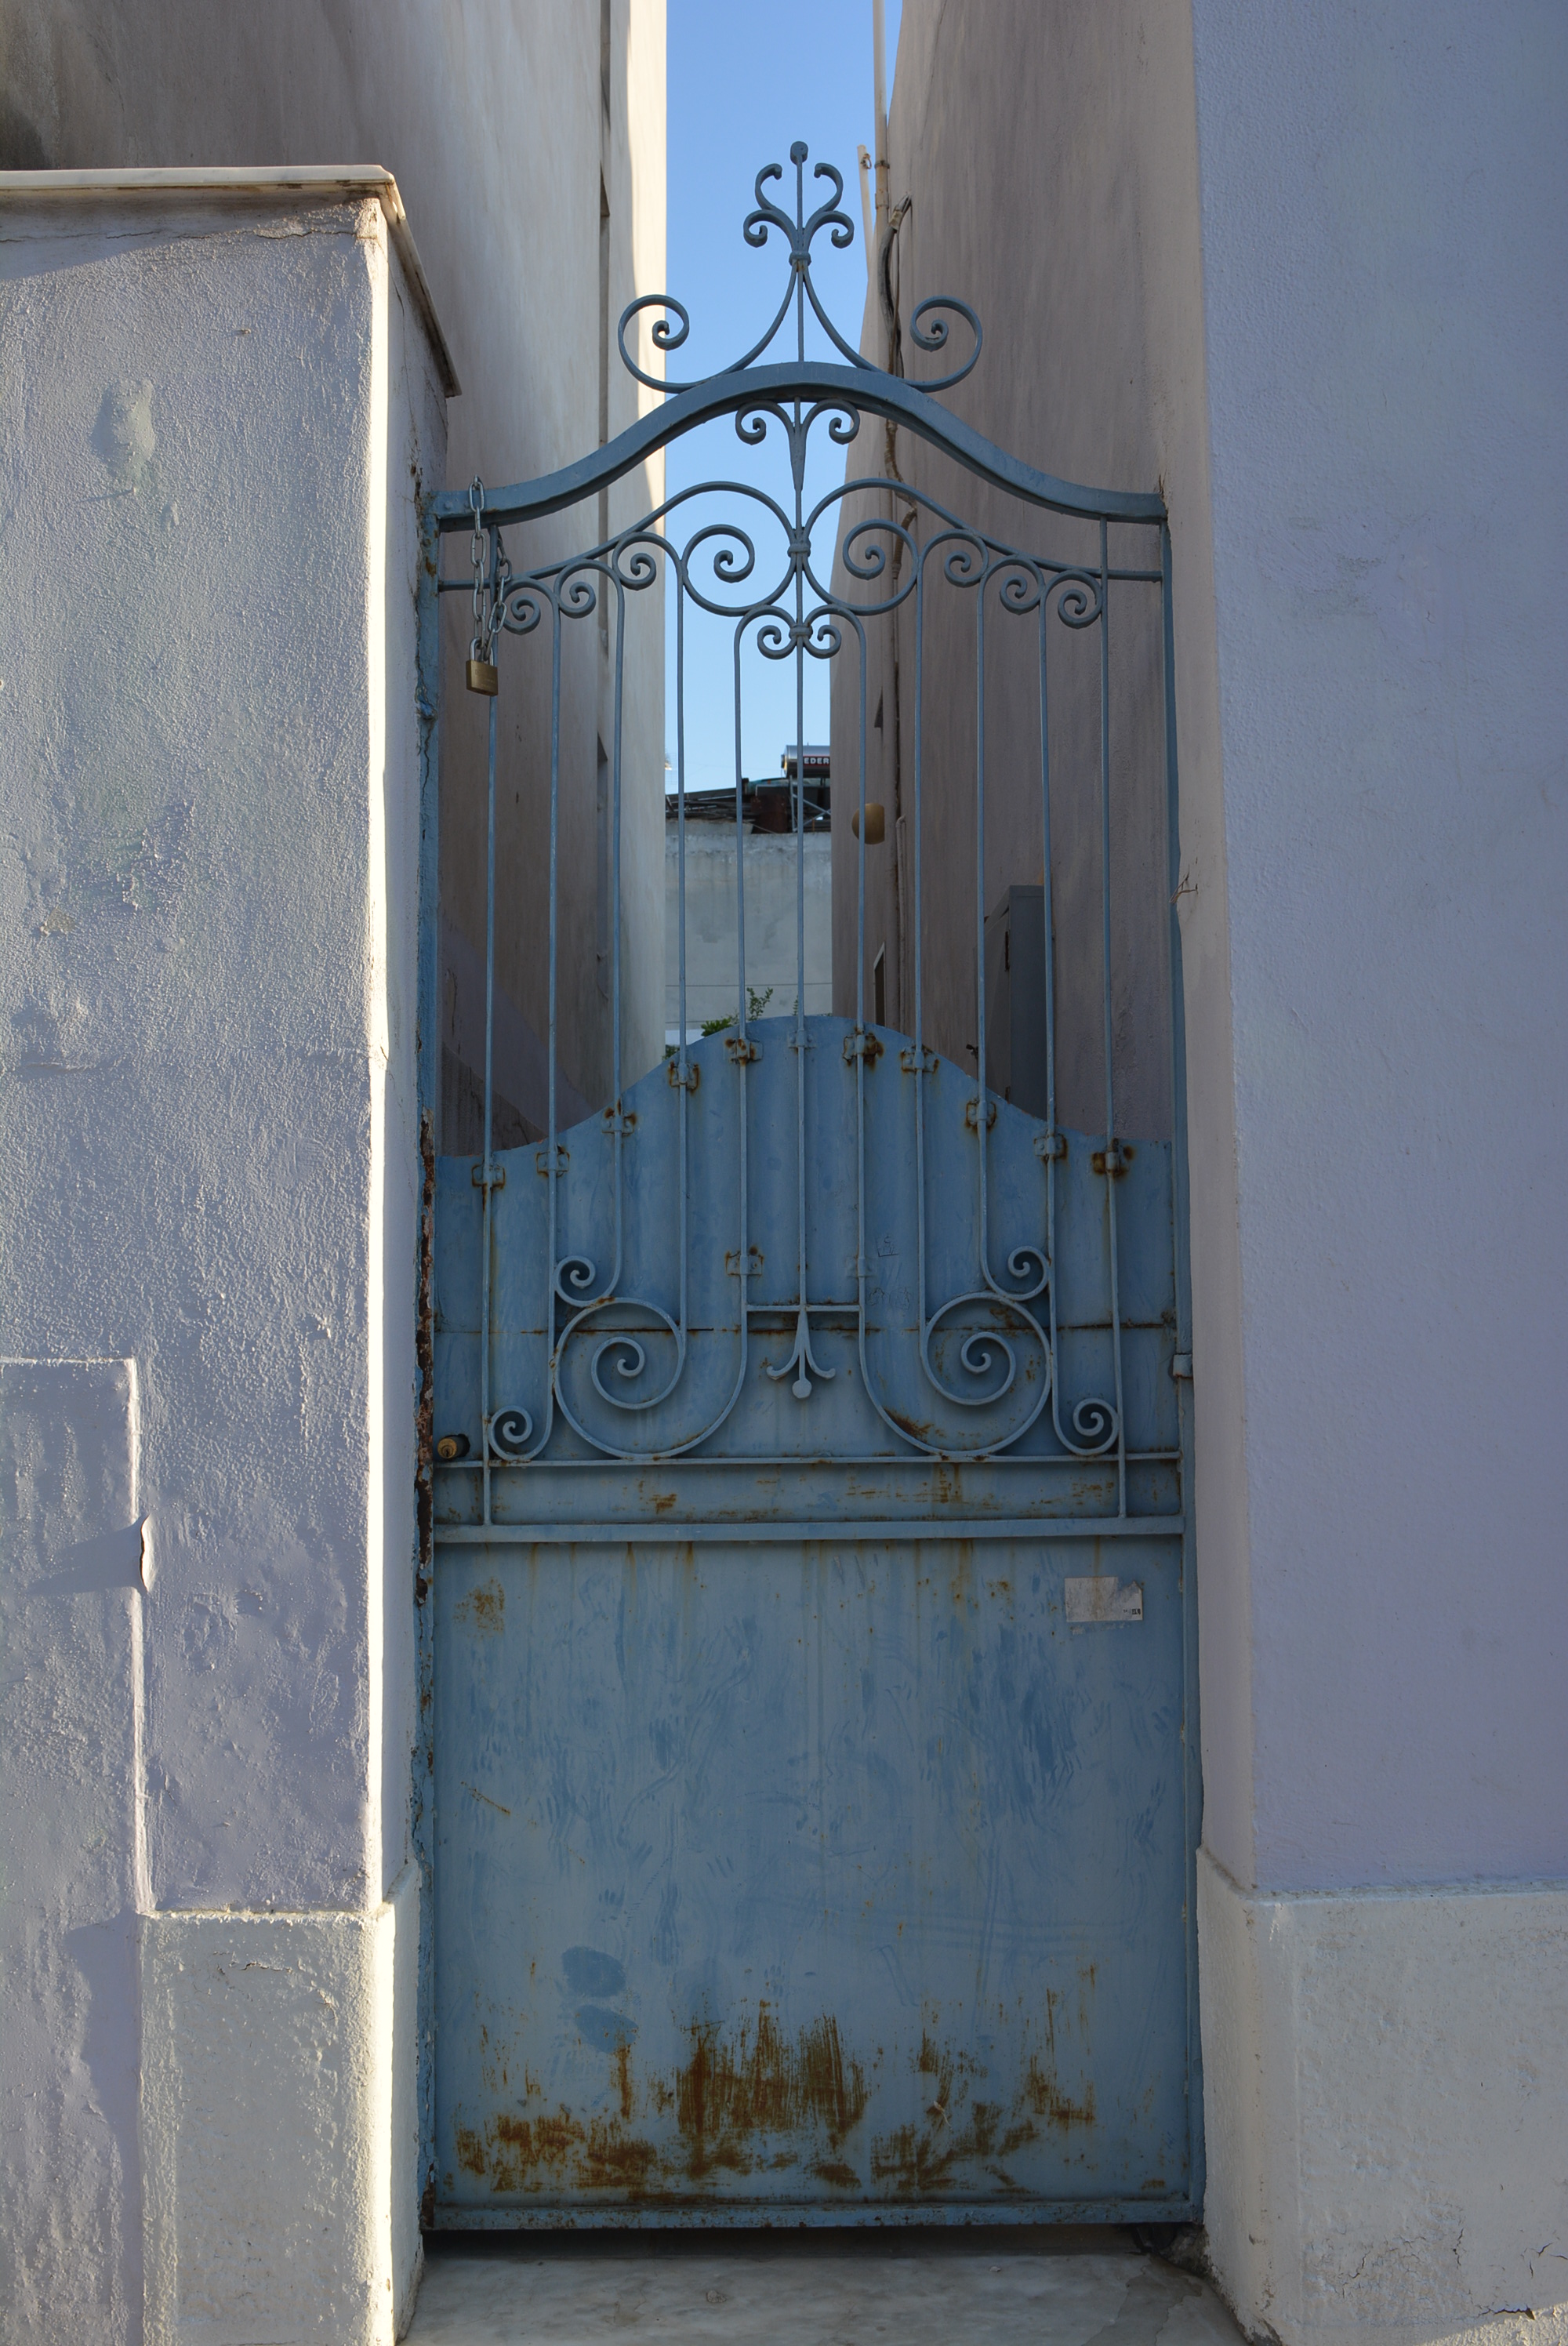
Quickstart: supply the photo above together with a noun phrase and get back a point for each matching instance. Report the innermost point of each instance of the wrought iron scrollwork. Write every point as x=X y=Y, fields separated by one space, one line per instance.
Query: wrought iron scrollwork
x=672 y=326
x=974 y=1361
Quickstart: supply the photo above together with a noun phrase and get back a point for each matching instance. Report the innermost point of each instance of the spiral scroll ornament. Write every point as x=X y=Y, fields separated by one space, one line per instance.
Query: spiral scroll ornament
x=930 y=328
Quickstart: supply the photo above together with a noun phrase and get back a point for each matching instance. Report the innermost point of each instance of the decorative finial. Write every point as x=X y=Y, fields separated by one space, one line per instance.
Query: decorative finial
x=673 y=324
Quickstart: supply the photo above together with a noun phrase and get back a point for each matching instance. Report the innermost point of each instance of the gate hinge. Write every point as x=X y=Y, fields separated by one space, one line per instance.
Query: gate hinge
x=613 y=1120
x=972 y=1113
x=679 y=1082
x=1051 y=1145
x=1114 y=1158
x=741 y=1049
x=543 y=1165
x=1181 y=1366
x=863 y=1043
x=495 y=1180
x=917 y=1063
x=753 y=1263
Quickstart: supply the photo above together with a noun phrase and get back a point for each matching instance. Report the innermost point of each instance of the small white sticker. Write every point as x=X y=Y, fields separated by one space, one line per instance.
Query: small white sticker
x=1104 y=1598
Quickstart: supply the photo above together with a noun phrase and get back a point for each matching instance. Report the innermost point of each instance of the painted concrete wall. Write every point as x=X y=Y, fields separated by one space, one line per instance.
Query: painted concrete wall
x=1064 y=381
x=1394 y=705
x=495 y=124
x=1303 y=268
x=219 y=411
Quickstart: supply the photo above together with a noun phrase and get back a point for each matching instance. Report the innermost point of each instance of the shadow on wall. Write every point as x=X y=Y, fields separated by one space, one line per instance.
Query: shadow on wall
x=519 y=1063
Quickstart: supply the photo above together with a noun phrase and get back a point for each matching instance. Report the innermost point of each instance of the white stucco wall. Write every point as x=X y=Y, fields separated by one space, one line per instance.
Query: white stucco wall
x=219 y=409
x=1386 y=2074
x=493 y=122
x=1304 y=268
x=1384 y=250
x=1382 y=213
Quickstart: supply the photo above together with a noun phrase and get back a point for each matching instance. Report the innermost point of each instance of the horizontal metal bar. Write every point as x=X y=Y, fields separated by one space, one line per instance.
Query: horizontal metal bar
x=1077 y=1460
x=701 y=2212
x=868 y=390
x=462 y=583
x=641 y=1531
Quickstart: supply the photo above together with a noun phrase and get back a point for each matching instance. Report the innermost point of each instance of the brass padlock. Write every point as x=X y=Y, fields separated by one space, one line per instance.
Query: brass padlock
x=483 y=677
x=876 y=823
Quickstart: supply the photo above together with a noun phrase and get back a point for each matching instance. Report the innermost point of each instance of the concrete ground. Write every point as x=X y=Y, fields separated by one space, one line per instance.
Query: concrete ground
x=1039 y=2287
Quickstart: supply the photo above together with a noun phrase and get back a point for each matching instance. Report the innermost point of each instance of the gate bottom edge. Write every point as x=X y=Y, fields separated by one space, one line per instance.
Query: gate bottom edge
x=774 y=2215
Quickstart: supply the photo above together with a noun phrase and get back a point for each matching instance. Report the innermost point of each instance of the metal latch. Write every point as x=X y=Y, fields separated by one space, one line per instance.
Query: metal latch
x=742 y=1049
x=918 y=1063
x=1051 y=1145
x=543 y=1165
x=862 y=1045
x=679 y=1082
x=972 y=1113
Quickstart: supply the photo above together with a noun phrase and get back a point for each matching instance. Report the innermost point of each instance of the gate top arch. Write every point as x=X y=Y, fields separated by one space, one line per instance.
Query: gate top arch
x=749 y=389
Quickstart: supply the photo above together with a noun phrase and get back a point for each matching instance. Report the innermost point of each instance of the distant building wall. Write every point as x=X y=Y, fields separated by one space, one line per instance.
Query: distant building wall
x=1289 y=265
x=520 y=139
x=772 y=955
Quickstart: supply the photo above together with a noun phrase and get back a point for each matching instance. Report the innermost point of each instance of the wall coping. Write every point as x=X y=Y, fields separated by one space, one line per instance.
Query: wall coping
x=314 y=182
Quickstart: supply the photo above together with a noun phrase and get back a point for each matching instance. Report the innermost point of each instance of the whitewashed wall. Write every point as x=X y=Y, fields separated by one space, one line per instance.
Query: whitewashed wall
x=1382 y=209
x=501 y=126
x=1303 y=266
x=219 y=409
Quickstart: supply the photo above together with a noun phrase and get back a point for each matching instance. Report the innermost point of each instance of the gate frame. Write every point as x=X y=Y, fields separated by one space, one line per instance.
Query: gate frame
x=866 y=389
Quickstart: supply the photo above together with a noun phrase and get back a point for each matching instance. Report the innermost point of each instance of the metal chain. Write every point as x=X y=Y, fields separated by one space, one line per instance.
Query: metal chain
x=489 y=596
x=479 y=649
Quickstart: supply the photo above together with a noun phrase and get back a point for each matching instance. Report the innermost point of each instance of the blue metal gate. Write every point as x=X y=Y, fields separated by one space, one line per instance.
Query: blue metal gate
x=809 y=1615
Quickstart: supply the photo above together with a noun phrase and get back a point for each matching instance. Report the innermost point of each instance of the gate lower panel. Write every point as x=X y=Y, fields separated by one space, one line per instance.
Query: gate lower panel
x=811 y=1881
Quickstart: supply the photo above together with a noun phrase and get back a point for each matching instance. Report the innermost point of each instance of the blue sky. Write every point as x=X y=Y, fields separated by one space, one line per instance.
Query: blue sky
x=743 y=85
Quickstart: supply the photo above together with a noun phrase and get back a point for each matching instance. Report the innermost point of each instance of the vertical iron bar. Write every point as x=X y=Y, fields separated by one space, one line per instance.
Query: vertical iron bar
x=616 y=1069
x=741 y=1003
x=919 y=938
x=982 y=1093
x=1049 y=939
x=1047 y=908
x=488 y=1170
x=802 y=1384
x=800 y=807
x=860 y=1268
x=615 y=878
x=1111 y=1150
x=551 y=1161
x=681 y=1063
x=680 y=817
x=743 y=1244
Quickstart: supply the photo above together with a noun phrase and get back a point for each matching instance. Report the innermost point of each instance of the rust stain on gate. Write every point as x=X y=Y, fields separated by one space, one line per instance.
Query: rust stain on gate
x=749 y=2098
x=728 y=2093
x=733 y=2089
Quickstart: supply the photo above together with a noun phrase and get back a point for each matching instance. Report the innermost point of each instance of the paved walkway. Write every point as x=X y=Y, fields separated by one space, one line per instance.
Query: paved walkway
x=967 y=2288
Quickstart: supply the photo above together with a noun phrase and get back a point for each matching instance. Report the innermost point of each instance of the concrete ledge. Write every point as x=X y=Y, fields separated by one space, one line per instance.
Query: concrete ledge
x=326 y=180
x=279 y=2134
x=1385 y=2082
